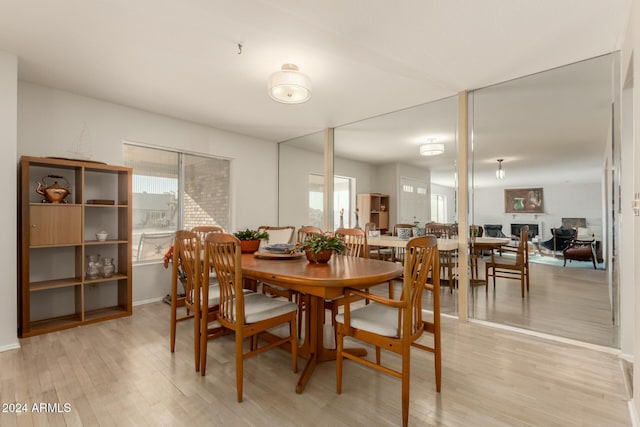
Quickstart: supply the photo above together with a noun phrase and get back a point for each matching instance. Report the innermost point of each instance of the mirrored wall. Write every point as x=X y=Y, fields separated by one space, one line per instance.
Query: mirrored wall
x=551 y=135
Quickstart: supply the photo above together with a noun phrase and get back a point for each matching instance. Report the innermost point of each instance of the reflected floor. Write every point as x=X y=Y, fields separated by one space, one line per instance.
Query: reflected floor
x=563 y=301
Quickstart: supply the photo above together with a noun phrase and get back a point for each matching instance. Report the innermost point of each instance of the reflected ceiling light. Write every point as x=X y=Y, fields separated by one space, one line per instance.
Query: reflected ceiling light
x=289 y=85
x=500 y=171
x=431 y=149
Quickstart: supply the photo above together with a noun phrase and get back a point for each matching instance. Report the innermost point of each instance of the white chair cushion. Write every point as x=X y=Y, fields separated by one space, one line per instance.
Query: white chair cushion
x=258 y=307
x=376 y=318
x=214 y=294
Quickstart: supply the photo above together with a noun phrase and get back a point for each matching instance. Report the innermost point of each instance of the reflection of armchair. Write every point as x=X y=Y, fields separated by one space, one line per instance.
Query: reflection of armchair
x=581 y=250
x=493 y=230
x=561 y=237
x=153 y=246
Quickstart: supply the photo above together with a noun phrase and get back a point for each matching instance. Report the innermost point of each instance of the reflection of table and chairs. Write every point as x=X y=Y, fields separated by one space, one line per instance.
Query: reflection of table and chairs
x=448 y=249
x=516 y=267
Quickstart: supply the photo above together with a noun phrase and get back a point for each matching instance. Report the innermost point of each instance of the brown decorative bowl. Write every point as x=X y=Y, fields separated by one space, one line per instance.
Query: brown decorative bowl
x=319 y=258
x=249 y=246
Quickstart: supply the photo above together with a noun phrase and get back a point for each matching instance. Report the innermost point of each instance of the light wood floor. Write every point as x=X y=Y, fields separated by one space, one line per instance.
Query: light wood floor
x=563 y=301
x=122 y=373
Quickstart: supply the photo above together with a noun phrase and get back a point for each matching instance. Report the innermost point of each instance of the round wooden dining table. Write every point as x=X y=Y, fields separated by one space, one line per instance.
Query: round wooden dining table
x=318 y=282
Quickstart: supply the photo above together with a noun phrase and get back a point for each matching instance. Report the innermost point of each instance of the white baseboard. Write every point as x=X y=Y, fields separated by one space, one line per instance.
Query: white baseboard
x=147 y=301
x=633 y=414
x=13 y=346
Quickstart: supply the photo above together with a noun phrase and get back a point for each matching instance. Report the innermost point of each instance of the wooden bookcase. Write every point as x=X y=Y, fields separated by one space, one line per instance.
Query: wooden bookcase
x=374 y=207
x=55 y=240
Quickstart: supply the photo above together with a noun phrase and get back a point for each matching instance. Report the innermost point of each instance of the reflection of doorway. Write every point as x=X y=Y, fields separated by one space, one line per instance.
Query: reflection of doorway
x=414 y=201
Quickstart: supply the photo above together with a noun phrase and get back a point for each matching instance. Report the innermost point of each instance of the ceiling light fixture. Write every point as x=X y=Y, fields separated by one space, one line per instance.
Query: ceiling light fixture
x=431 y=149
x=289 y=85
x=500 y=171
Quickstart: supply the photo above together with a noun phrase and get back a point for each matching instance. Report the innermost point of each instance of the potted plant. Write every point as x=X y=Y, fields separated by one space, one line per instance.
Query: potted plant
x=250 y=239
x=320 y=247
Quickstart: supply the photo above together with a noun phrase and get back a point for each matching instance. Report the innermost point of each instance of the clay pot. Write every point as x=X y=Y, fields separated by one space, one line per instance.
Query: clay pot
x=319 y=258
x=249 y=246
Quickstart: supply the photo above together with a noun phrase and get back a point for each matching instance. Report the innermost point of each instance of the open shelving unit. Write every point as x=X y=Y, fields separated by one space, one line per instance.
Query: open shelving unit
x=56 y=238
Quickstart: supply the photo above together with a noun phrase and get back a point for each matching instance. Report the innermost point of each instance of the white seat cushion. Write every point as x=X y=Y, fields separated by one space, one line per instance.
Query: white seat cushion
x=258 y=307
x=214 y=294
x=376 y=318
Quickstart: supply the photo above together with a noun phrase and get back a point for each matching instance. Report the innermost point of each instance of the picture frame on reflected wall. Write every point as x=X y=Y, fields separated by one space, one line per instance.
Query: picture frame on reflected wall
x=524 y=200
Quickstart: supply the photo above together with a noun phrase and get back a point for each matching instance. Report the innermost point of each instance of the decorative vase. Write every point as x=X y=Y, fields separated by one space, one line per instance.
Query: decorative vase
x=341 y=222
x=518 y=203
x=319 y=258
x=107 y=267
x=93 y=266
x=249 y=246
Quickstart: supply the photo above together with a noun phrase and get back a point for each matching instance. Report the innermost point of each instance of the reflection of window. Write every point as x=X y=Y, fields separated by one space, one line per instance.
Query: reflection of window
x=343 y=198
x=422 y=190
x=407 y=188
x=438 y=208
x=172 y=191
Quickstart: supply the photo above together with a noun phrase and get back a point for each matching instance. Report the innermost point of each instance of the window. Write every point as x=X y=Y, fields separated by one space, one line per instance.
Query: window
x=172 y=191
x=343 y=198
x=438 y=208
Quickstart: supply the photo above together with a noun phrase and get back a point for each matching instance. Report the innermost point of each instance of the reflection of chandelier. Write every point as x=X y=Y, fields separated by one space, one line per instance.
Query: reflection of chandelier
x=431 y=149
x=500 y=171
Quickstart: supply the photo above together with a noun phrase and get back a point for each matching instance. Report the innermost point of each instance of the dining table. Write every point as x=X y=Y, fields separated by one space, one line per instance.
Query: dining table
x=317 y=282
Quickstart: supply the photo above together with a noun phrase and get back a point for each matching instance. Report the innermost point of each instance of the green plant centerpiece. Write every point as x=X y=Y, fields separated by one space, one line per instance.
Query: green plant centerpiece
x=320 y=247
x=250 y=239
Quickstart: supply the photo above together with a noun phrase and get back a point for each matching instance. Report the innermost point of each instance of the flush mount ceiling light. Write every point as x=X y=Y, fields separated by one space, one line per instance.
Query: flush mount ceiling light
x=431 y=149
x=289 y=85
x=500 y=171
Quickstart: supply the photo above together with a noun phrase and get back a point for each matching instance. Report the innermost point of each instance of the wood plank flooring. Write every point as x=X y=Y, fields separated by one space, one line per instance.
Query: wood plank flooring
x=121 y=372
x=563 y=301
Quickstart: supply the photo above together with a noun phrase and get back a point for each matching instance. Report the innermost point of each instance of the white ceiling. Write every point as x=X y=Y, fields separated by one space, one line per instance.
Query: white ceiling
x=365 y=58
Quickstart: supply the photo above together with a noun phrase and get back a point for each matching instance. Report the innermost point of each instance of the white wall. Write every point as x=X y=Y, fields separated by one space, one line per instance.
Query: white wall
x=8 y=215
x=295 y=166
x=560 y=201
x=50 y=121
x=630 y=259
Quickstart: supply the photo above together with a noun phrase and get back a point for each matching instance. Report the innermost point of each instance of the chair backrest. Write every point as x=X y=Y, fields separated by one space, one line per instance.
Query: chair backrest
x=441 y=231
x=203 y=230
x=186 y=256
x=355 y=240
x=395 y=228
x=307 y=231
x=522 y=256
x=370 y=226
x=153 y=246
x=277 y=234
x=475 y=230
x=421 y=271
x=223 y=254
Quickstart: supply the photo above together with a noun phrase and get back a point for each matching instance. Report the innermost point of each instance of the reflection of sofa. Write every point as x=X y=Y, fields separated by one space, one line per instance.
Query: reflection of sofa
x=493 y=230
x=560 y=239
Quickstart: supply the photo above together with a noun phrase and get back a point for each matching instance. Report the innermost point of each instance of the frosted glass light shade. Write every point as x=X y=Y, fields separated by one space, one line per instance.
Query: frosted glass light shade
x=431 y=149
x=289 y=85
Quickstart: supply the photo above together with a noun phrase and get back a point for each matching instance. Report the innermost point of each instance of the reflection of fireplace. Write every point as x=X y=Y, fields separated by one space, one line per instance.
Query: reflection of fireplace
x=515 y=230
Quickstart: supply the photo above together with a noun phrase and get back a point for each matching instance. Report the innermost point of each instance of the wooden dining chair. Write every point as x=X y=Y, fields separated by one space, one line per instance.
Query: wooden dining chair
x=355 y=241
x=247 y=315
x=307 y=231
x=277 y=235
x=396 y=325
x=383 y=252
x=186 y=267
x=203 y=230
x=511 y=267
